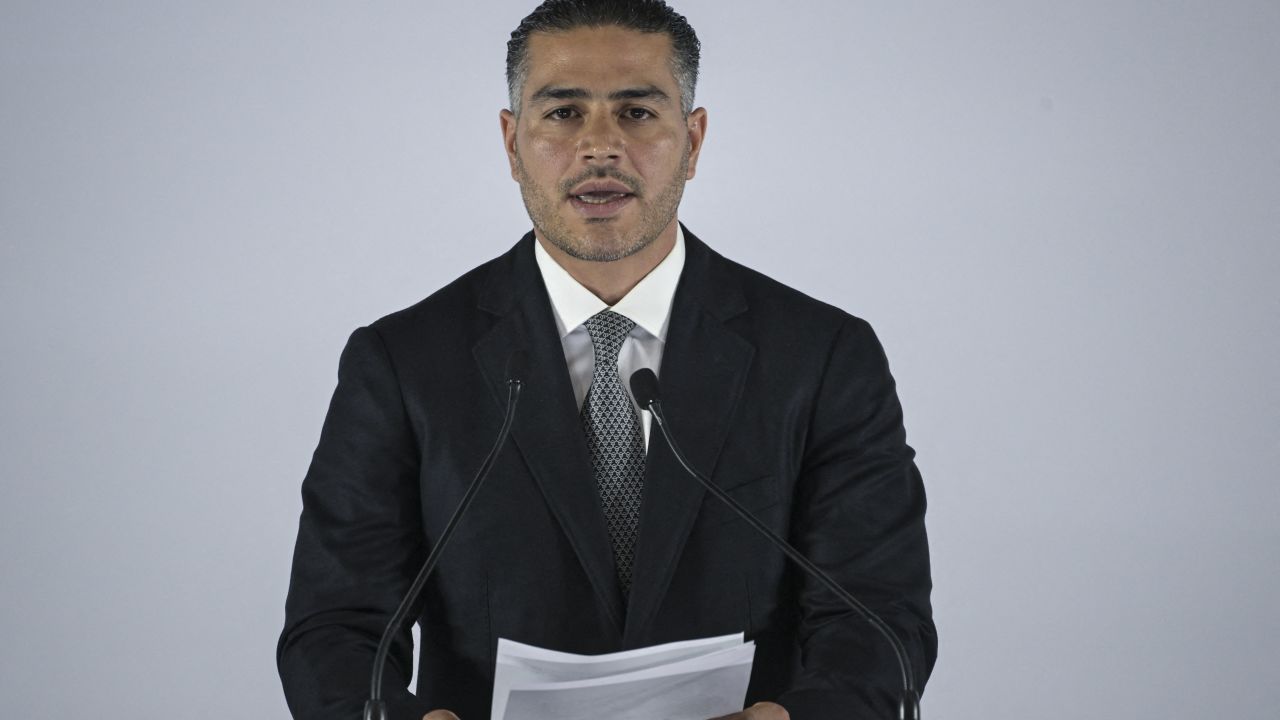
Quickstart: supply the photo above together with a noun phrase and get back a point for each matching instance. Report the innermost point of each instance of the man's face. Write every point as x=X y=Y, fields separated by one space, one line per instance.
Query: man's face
x=601 y=149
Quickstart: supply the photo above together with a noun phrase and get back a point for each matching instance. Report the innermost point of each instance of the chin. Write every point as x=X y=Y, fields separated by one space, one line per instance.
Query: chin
x=604 y=254
x=607 y=251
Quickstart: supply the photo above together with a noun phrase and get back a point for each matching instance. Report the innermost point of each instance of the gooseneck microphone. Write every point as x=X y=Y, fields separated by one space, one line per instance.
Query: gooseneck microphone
x=375 y=708
x=644 y=387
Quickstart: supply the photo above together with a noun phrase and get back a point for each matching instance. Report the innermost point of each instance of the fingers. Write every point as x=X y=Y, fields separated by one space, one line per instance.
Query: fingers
x=767 y=711
x=759 y=711
x=439 y=715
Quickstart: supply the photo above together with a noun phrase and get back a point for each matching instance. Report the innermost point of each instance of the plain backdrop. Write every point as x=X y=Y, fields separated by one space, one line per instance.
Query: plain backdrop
x=1062 y=218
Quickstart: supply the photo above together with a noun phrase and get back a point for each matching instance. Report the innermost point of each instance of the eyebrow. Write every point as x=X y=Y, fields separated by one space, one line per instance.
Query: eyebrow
x=550 y=93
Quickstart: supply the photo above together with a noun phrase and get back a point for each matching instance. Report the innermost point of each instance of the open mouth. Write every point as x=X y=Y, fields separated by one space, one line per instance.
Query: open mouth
x=601 y=198
x=600 y=204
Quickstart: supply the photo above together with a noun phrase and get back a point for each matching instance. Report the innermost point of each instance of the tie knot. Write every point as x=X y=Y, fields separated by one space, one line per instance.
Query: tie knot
x=607 y=330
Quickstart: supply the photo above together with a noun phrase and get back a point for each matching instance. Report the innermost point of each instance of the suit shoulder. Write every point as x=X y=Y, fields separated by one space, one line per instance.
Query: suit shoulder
x=451 y=307
x=773 y=300
x=796 y=335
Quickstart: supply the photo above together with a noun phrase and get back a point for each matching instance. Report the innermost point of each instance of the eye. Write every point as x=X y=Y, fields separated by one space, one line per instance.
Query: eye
x=638 y=113
x=563 y=113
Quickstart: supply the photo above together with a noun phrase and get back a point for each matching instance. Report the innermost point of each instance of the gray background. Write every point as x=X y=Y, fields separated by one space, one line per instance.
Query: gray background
x=1062 y=218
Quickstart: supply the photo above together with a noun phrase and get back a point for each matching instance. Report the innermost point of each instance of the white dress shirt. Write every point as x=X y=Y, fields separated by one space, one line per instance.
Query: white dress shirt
x=648 y=305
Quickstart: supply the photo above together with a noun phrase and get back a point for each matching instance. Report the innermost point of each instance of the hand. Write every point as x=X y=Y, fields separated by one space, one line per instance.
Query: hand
x=439 y=715
x=759 y=711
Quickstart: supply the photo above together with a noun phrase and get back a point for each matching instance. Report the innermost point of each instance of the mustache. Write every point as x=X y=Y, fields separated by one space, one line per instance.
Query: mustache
x=633 y=184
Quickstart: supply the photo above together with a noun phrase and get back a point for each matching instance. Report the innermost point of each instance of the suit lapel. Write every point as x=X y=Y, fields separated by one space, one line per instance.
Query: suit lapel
x=546 y=429
x=704 y=365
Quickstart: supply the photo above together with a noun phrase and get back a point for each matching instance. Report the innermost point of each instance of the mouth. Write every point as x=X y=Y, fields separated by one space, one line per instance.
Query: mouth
x=600 y=204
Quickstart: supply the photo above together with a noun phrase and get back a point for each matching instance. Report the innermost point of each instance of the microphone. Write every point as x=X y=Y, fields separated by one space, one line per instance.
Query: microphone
x=644 y=388
x=375 y=708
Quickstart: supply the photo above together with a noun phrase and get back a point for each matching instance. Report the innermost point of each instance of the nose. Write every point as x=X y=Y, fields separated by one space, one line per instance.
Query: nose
x=601 y=139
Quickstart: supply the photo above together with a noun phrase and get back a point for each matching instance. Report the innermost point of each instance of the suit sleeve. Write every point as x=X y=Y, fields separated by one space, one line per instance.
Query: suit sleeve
x=359 y=545
x=859 y=515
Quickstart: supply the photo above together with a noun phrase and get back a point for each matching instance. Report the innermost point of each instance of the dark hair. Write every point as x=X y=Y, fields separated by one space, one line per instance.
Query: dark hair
x=651 y=16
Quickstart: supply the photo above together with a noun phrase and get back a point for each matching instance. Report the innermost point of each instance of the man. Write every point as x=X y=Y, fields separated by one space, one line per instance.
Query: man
x=588 y=536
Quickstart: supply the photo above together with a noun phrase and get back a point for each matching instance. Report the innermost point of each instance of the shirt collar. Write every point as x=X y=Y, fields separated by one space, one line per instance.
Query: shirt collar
x=648 y=304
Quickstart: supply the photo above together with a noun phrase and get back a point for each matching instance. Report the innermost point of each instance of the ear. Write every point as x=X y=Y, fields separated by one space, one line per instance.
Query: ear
x=697 y=125
x=508 y=121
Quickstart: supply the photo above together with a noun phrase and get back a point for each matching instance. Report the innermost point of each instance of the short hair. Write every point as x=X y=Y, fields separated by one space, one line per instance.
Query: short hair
x=650 y=16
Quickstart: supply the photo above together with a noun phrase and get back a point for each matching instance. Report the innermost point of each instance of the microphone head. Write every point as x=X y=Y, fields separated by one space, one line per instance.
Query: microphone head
x=517 y=366
x=644 y=387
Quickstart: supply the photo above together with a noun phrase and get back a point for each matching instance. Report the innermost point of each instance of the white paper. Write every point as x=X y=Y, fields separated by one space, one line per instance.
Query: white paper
x=549 y=665
x=688 y=680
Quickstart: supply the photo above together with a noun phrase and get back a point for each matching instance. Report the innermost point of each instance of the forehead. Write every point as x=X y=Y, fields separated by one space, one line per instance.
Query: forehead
x=601 y=57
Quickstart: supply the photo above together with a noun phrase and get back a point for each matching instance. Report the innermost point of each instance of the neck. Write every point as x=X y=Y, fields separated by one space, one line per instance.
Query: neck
x=612 y=280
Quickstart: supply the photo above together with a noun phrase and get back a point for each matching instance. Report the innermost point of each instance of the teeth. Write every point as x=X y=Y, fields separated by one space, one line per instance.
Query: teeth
x=599 y=199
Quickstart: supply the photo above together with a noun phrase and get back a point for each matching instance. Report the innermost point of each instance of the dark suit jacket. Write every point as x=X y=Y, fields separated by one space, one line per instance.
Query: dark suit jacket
x=784 y=401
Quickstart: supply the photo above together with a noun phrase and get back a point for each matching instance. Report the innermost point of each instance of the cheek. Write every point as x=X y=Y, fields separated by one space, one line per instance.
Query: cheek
x=547 y=154
x=656 y=160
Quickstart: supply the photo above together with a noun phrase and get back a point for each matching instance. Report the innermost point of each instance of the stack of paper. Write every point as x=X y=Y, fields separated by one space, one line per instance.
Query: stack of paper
x=689 y=680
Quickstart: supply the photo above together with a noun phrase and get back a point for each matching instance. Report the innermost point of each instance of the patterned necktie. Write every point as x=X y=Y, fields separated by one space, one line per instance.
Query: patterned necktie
x=615 y=439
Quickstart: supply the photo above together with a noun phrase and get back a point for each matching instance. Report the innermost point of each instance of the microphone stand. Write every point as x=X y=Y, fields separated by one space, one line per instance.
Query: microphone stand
x=375 y=708
x=645 y=388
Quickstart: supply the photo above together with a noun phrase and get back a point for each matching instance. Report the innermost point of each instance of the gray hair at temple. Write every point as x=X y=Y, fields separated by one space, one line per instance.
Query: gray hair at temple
x=650 y=16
